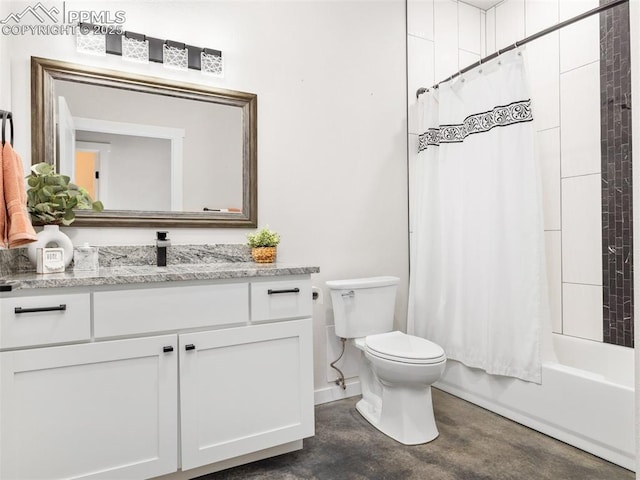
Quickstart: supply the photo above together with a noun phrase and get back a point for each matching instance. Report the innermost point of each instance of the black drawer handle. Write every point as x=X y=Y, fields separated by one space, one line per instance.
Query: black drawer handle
x=167 y=349
x=190 y=346
x=59 y=308
x=276 y=292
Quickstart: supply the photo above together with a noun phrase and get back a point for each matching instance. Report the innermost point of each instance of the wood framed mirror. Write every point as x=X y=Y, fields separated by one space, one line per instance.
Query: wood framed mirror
x=165 y=153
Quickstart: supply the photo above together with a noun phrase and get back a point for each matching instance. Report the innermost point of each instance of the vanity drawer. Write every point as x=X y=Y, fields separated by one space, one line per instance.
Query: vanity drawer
x=141 y=310
x=44 y=319
x=280 y=299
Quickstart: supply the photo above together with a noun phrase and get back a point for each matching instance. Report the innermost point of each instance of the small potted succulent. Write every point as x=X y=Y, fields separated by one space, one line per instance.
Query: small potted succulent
x=263 y=245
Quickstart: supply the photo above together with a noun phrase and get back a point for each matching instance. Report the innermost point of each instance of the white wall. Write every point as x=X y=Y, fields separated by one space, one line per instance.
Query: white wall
x=5 y=73
x=331 y=84
x=634 y=14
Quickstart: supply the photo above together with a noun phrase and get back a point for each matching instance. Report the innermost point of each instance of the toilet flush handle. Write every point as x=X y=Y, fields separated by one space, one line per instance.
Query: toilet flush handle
x=349 y=294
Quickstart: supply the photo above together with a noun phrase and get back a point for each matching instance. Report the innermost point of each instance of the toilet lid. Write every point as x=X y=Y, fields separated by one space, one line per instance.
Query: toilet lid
x=400 y=347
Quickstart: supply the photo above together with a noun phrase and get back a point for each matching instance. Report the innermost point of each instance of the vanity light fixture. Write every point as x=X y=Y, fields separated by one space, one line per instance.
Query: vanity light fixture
x=211 y=62
x=89 y=41
x=175 y=55
x=137 y=47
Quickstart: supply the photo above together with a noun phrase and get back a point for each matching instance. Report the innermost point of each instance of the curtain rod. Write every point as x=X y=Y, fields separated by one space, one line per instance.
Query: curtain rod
x=535 y=36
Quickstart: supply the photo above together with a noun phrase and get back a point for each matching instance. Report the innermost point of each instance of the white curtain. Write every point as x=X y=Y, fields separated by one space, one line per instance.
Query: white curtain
x=478 y=280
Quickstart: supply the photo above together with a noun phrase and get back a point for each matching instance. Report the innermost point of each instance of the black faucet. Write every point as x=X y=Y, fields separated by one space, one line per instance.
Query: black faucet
x=162 y=242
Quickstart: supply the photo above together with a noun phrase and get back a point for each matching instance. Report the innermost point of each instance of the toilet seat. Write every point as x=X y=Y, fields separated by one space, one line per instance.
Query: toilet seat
x=400 y=347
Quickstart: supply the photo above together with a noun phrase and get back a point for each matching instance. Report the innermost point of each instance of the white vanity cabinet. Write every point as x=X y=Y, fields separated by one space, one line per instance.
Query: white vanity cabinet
x=153 y=379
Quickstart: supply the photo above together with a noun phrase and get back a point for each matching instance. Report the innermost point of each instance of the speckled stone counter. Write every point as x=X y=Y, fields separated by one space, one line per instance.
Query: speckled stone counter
x=135 y=264
x=151 y=274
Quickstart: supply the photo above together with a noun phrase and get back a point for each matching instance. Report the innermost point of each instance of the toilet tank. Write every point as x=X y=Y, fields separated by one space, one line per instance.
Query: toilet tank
x=363 y=306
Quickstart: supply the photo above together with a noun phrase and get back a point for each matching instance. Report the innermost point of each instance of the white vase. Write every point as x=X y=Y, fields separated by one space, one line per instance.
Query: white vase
x=51 y=236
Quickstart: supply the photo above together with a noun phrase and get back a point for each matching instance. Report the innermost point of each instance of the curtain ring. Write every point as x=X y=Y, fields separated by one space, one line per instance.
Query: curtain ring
x=515 y=47
x=499 y=54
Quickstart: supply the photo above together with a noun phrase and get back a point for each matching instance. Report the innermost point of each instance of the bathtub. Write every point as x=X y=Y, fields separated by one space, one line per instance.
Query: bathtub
x=586 y=399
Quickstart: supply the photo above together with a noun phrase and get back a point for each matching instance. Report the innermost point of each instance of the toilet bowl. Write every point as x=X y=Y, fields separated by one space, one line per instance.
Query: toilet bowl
x=405 y=367
x=396 y=369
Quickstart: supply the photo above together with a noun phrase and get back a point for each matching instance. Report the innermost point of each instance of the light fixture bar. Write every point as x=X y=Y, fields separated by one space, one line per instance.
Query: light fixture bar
x=132 y=45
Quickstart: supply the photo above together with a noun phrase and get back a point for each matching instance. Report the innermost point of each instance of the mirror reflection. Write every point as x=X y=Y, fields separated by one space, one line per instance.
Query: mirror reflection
x=139 y=142
x=154 y=152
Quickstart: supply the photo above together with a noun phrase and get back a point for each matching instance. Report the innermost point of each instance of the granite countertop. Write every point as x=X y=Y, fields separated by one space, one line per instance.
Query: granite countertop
x=136 y=274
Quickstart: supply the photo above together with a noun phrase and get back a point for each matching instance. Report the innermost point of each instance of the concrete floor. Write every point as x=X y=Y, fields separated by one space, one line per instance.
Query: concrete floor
x=474 y=444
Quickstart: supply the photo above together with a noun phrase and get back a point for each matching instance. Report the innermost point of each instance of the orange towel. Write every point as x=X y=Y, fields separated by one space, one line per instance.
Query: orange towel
x=15 y=223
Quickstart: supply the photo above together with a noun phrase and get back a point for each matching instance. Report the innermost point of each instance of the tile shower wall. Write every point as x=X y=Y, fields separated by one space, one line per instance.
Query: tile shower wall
x=565 y=86
x=584 y=184
x=564 y=80
x=442 y=37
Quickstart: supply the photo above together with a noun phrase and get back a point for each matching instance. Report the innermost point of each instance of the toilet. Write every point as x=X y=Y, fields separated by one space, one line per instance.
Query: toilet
x=396 y=369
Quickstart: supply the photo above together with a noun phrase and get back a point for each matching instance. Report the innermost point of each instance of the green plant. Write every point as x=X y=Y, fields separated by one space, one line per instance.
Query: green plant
x=52 y=198
x=263 y=238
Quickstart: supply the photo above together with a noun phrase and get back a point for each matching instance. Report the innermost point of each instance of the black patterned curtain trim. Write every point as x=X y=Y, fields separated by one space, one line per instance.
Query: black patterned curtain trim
x=500 y=116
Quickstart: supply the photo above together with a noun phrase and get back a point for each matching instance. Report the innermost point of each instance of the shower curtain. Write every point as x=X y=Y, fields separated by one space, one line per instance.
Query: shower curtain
x=478 y=280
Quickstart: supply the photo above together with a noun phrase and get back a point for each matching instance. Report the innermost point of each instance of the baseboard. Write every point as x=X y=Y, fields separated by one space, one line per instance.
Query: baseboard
x=233 y=462
x=335 y=392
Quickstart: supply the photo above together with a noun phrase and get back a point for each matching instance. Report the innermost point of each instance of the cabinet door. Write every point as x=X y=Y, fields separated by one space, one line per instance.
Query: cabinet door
x=102 y=411
x=245 y=389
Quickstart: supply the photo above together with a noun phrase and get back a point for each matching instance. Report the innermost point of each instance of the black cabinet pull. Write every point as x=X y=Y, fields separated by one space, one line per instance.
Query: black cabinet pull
x=190 y=346
x=290 y=290
x=60 y=307
x=167 y=349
